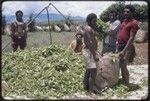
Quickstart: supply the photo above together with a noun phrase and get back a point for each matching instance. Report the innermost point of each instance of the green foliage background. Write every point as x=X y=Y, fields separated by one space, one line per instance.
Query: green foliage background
x=141 y=11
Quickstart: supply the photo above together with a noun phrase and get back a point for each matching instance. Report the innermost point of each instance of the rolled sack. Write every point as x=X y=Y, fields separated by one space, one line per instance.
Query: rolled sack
x=140 y=36
x=46 y=28
x=66 y=28
x=38 y=28
x=57 y=29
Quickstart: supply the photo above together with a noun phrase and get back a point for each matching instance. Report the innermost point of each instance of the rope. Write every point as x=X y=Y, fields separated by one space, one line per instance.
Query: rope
x=39 y=13
x=61 y=14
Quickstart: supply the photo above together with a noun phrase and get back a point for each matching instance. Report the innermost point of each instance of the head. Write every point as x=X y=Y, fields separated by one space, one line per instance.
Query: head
x=91 y=20
x=129 y=11
x=19 y=15
x=79 y=37
x=112 y=15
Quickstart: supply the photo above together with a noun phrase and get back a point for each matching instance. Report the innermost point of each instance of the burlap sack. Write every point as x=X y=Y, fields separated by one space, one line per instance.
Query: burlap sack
x=66 y=28
x=57 y=29
x=140 y=36
x=107 y=71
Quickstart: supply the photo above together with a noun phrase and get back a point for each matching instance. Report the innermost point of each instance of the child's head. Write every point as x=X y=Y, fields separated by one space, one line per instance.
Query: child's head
x=79 y=36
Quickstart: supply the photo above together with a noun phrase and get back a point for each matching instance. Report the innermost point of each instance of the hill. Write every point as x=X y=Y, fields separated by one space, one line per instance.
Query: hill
x=43 y=17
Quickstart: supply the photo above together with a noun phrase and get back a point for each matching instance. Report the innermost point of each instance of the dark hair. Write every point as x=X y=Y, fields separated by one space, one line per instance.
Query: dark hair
x=131 y=7
x=113 y=12
x=90 y=17
x=19 y=11
x=79 y=34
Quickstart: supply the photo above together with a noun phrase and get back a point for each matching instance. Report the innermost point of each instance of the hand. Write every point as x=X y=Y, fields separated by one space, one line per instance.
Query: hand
x=96 y=58
x=121 y=54
x=117 y=43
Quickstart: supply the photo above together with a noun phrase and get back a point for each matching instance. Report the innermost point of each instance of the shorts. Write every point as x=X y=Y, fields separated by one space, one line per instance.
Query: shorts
x=18 y=42
x=89 y=59
x=130 y=53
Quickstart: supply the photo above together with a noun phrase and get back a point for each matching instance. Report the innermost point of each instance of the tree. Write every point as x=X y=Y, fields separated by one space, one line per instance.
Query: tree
x=118 y=7
x=140 y=11
x=31 y=26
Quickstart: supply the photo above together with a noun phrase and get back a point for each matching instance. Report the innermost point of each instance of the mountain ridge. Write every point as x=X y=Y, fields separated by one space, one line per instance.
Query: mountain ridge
x=43 y=17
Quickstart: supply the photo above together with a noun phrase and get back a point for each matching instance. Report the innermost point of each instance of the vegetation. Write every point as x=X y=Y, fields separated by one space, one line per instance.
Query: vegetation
x=43 y=72
x=53 y=71
x=141 y=11
x=102 y=29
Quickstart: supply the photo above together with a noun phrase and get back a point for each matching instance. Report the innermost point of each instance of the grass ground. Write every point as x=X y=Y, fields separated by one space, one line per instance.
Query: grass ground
x=41 y=39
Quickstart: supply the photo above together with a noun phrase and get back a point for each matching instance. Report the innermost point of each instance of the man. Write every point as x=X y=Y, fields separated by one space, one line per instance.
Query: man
x=109 y=43
x=125 y=39
x=18 y=32
x=77 y=45
x=89 y=52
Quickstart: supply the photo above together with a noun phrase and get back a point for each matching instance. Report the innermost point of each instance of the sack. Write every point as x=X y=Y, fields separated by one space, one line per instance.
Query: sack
x=57 y=29
x=140 y=36
x=107 y=71
x=66 y=27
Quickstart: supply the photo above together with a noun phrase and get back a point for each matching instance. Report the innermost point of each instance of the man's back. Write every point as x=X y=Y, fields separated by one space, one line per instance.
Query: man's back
x=112 y=37
x=109 y=43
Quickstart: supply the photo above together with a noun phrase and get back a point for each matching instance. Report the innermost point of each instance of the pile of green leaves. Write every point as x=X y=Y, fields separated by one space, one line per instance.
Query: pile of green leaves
x=118 y=90
x=115 y=57
x=43 y=72
x=102 y=29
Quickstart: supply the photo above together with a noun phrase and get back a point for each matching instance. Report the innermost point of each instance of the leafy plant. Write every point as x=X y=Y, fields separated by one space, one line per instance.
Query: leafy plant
x=43 y=72
x=102 y=29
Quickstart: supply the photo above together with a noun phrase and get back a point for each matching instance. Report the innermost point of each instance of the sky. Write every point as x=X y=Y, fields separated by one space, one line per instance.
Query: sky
x=74 y=8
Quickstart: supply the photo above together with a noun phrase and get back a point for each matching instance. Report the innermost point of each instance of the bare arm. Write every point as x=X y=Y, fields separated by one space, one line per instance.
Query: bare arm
x=25 y=30
x=114 y=28
x=130 y=41
x=132 y=35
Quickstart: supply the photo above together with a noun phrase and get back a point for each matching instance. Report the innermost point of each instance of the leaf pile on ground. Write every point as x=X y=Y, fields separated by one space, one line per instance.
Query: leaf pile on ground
x=55 y=72
x=43 y=72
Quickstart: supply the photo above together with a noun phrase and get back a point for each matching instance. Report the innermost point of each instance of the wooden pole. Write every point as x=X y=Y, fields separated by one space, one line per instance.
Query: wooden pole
x=49 y=25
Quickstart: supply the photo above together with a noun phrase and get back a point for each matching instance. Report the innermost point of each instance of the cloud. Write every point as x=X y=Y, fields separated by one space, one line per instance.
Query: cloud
x=75 y=8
